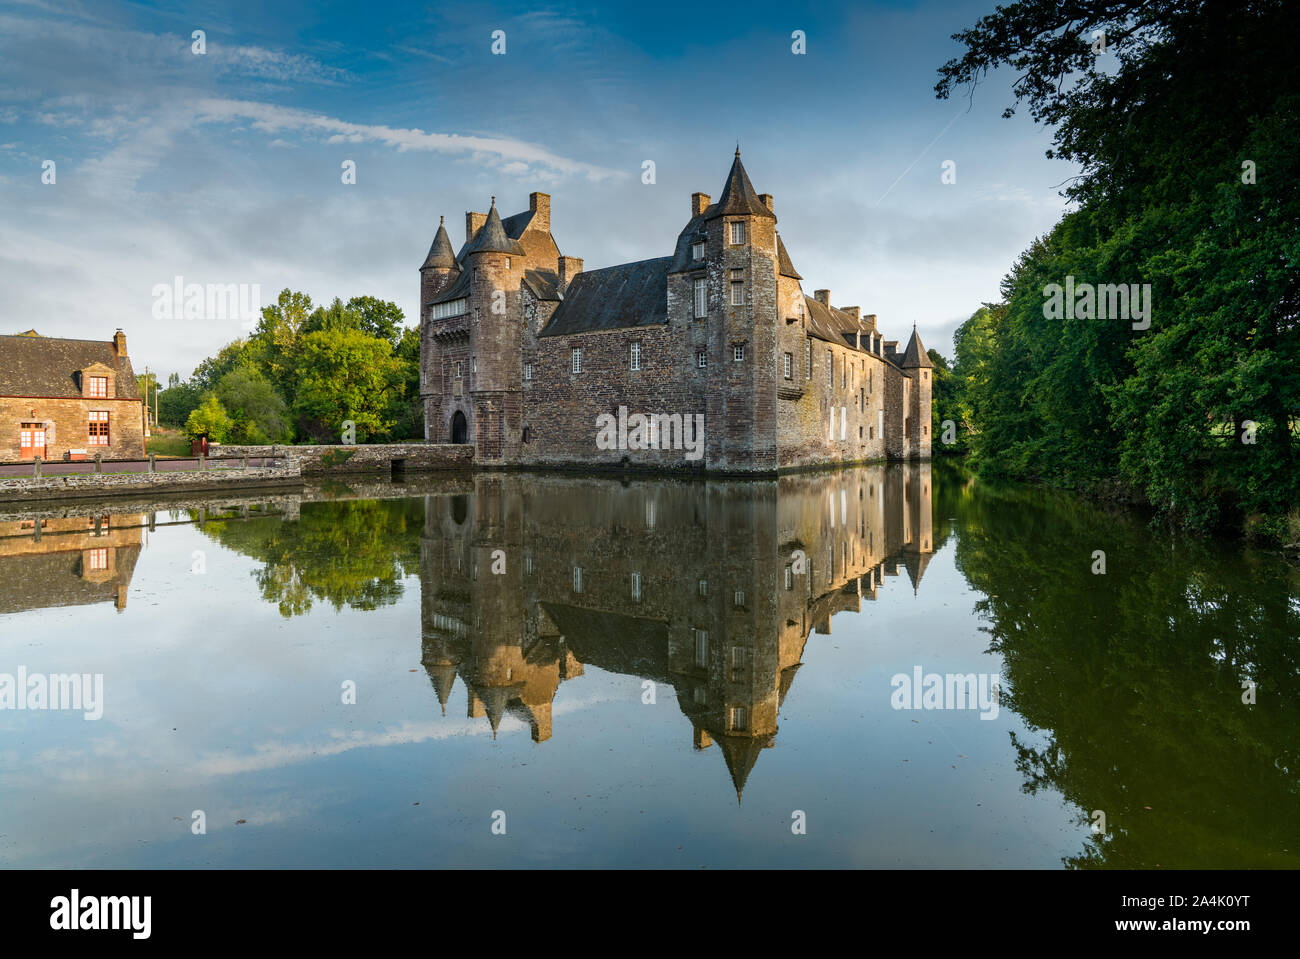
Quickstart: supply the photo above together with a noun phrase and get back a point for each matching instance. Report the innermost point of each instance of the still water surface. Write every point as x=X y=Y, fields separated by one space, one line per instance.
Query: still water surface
x=645 y=673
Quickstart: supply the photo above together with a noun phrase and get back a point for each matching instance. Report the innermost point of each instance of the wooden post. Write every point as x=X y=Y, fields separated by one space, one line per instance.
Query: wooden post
x=151 y=466
x=99 y=463
x=36 y=467
x=202 y=463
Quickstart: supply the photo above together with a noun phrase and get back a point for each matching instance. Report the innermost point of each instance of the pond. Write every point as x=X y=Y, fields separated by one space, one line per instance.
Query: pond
x=886 y=666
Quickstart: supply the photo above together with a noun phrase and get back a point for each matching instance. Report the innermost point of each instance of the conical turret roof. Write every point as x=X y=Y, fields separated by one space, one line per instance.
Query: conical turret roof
x=441 y=254
x=493 y=238
x=914 y=357
x=738 y=197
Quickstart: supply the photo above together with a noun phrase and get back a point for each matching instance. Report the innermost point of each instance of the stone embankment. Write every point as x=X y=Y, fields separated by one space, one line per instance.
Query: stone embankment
x=377 y=458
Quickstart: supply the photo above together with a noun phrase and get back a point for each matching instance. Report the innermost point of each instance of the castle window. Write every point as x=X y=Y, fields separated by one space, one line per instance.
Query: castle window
x=739 y=717
x=649 y=514
x=577 y=579
x=634 y=356
x=925 y=376
x=99 y=387
x=789 y=576
x=528 y=371
x=830 y=369
x=507 y=263
x=458 y=369
x=788 y=366
x=809 y=358
x=473 y=364
x=870 y=378
x=576 y=356
x=441 y=311
x=98 y=428
x=701 y=647
x=98 y=559
x=528 y=434
x=636 y=587
x=737 y=292
x=739 y=599
x=697 y=251
x=738 y=353
x=701 y=297
x=737 y=233
x=701 y=359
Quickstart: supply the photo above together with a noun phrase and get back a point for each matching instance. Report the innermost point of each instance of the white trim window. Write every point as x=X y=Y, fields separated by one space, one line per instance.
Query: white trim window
x=701 y=359
x=575 y=358
x=634 y=356
x=528 y=371
x=809 y=358
x=577 y=579
x=788 y=366
x=441 y=311
x=737 y=233
x=697 y=251
x=458 y=367
x=701 y=297
x=636 y=587
x=830 y=369
x=738 y=353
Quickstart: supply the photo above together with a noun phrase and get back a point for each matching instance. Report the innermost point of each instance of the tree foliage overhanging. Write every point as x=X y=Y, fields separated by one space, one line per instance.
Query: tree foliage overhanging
x=303 y=373
x=1186 y=135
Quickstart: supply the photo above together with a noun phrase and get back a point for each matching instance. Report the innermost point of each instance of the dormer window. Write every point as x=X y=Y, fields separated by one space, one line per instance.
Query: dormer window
x=98 y=387
x=737 y=233
x=697 y=251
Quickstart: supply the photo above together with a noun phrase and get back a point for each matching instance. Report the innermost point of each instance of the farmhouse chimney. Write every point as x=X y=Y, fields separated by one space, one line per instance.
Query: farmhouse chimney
x=569 y=267
x=699 y=203
x=119 y=343
x=767 y=200
x=472 y=223
x=823 y=297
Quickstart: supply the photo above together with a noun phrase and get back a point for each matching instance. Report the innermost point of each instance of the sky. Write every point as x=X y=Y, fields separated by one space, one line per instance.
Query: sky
x=226 y=166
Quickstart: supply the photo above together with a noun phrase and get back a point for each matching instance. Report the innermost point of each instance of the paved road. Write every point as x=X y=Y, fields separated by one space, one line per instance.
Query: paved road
x=60 y=468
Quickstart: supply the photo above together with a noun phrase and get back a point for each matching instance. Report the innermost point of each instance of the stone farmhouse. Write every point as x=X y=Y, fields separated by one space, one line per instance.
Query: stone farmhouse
x=68 y=399
x=711 y=358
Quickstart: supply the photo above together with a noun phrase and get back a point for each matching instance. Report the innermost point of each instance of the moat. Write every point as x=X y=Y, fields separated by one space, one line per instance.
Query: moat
x=532 y=670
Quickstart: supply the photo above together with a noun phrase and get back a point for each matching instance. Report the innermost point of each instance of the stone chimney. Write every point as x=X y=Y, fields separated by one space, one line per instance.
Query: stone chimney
x=472 y=222
x=767 y=200
x=567 y=269
x=699 y=203
x=853 y=311
x=823 y=297
x=540 y=204
x=119 y=343
x=891 y=348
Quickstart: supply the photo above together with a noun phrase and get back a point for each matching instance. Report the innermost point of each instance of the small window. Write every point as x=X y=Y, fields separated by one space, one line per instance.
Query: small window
x=738 y=353
x=577 y=579
x=789 y=576
x=99 y=559
x=649 y=514
x=528 y=371
x=830 y=369
x=737 y=293
x=809 y=358
x=788 y=366
x=634 y=356
x=739 y=598
x=458 y=369
x=528 y=434
x=507 y=263
x=528 y=563
x=701 y=298
x=737 y=233
x=636 y=587
x=704 y=587
x=739 y=717
x=701 y=359
x=576 y=357
x=99 y=387
x=697 y=251
x=473 y=364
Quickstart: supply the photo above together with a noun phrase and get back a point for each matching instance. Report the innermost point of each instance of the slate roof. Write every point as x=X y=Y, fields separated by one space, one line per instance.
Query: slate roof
x=682 y=259
x=459 y=288
x=784 y=266
x=915 y=357
x=630 y=294
x=545 y=284
x=440 y=253
x=44 y=366
x=492 y=237
x=738 y=196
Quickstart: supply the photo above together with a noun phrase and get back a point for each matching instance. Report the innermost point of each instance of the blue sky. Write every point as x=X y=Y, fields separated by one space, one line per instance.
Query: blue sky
x=225 y=167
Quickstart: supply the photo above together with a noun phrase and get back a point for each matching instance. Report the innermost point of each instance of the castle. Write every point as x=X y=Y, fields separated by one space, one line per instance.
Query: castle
x=709 y=359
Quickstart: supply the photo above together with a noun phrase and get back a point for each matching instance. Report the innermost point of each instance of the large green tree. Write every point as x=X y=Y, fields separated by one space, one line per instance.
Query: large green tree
x=346 y=375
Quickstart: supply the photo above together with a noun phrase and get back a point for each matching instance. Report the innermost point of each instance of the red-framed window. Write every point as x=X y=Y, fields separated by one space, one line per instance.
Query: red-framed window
x=99 y=558
x=98 y=428
x=99 y=387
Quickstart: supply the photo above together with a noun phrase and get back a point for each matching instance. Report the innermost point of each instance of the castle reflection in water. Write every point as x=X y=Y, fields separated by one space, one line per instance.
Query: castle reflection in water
x=711 y=588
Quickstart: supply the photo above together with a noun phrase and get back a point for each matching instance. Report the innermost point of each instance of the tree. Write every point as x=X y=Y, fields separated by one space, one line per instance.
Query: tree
x=277 y=338
x=210 y=420
x=258 y=414
x=346 y=375
x=177 y=402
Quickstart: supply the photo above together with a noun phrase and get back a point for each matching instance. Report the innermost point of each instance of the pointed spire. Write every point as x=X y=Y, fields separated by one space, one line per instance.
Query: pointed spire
x=441 y=255
x=786 y=268
x=738 y=197
x=492 y=237
x=914 y=357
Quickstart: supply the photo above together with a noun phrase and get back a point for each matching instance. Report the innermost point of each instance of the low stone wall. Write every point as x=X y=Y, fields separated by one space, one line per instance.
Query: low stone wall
x=83 y=485
x=363 y=458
